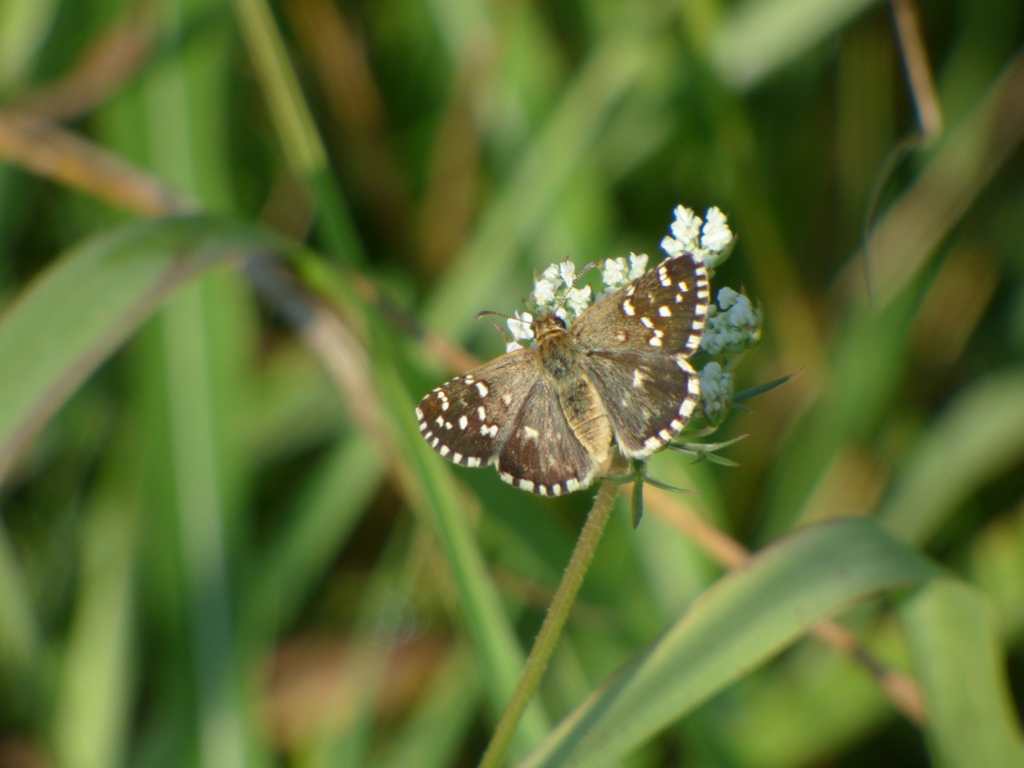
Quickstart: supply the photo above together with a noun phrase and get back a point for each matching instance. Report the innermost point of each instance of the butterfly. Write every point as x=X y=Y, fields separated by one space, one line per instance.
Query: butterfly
x=547 y=417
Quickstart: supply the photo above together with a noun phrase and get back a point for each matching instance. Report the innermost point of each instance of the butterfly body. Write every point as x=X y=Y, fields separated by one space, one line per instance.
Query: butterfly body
x=547 y=417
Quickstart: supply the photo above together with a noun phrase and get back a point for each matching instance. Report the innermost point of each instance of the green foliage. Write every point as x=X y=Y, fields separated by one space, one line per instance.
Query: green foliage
x=223 y=542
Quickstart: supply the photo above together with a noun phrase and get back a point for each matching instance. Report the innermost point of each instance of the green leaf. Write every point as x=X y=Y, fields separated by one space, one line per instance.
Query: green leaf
x=956 y=655
x=760 y=37
x=487 y=625
x=83 y=307
x=746 y=618
x=66 y=324
x=980 y=436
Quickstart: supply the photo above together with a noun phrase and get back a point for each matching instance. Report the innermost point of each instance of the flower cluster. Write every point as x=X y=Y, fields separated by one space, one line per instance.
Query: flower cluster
x=733 y=326
x=709 y=237
x=556 y=290
x=716 y=390
x=616 y=272
x=521 y=329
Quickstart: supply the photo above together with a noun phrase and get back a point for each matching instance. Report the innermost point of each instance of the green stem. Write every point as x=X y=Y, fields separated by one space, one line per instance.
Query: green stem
x=296 y=128
x=551 y=630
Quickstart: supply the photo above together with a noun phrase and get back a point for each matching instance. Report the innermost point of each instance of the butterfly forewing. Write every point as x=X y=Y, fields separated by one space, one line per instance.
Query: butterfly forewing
x=638 y=340
x=467 y=419
x=662 y=311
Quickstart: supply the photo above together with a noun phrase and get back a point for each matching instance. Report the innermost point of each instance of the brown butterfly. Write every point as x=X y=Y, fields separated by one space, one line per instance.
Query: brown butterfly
x=547 y=416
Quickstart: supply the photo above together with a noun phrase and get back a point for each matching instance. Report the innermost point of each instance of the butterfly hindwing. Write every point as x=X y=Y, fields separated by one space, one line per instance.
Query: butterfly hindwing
x=542 y=453
x=506 y=412
x=468 y=418
x=648 y=397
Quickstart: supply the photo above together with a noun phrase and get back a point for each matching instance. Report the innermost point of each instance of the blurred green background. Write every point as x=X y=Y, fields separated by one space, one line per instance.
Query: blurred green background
x=223 y=542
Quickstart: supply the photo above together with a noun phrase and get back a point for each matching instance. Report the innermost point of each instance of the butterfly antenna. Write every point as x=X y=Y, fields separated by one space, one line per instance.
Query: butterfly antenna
x=488 y=312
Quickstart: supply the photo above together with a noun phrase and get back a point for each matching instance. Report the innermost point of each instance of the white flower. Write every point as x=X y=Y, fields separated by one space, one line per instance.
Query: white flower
x=715 y=235
x=671 y=246
x=562 y=315
x=567 y=271
x=578 y=299
x=637 y=265
x=521 y=326
x=713 y=380
x=727 y=297
x=733 y=326
x=716 y=389
x=686 y=227
x=544 y=291
x=550 y=274
x=613 y=274
x=512 y=346
x=616 y=274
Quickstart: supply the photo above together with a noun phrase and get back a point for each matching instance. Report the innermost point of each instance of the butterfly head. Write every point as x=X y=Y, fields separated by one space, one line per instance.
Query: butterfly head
x=547 y=325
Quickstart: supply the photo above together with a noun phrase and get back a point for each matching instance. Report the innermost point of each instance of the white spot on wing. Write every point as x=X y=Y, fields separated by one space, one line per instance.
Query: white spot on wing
x=531 y=433
x=463 y=421
x=482 y=389
x=526 y=485
x=457 y=458
x=628 y=309
x=664 y=311
x=646 y=321
x=444 y=450
x=481 y=413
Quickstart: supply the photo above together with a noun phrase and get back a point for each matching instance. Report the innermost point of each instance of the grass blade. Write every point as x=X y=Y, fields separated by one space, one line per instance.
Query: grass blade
x=957 y=655
x=746 y=618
